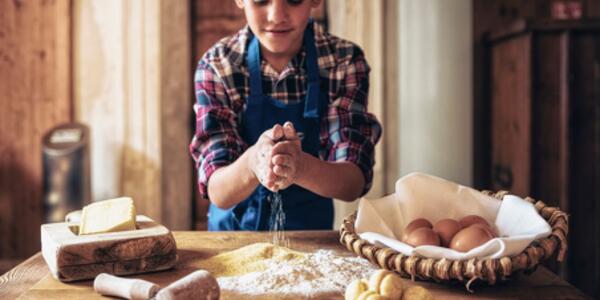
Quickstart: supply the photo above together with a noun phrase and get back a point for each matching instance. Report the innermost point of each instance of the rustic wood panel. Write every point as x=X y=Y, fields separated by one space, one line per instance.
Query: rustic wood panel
x=584 y=206
x=550 y=121
x=176 y=84
x=592 y=8
x=487 y=15
x=133 y=85
x=7 y=264
x=35 y=95
x=215 y=9
x=138 y=153
x=565 y=118
x=511 y=115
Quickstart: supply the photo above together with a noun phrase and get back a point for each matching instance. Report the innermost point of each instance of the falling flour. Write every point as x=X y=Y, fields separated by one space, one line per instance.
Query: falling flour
x=277 y=221
x=266 y=271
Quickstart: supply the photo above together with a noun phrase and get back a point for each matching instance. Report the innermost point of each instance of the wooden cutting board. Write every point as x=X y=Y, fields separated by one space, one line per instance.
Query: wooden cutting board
x=72 y=257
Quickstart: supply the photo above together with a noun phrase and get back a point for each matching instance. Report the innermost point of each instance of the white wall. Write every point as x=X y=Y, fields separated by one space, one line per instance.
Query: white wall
x=421 y=90
x=435 y=111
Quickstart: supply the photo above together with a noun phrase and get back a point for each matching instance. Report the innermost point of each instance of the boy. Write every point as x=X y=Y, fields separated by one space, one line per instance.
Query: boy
x=282 y=106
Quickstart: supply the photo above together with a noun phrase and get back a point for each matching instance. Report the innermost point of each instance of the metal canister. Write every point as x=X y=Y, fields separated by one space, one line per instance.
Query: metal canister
x=66 y=175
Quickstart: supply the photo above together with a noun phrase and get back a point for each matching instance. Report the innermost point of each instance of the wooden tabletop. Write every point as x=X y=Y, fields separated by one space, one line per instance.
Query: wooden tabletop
x=32 y=280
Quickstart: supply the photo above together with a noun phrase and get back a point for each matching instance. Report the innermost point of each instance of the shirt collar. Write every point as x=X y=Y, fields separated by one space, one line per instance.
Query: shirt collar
x=325 y=49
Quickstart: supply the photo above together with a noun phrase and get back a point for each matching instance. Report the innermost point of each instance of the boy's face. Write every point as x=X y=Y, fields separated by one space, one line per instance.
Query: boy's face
x=278 y=24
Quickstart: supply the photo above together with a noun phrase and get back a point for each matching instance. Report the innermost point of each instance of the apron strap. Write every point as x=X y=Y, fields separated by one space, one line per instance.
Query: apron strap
x=254 y=67
x=311 y=108
x=311 y=105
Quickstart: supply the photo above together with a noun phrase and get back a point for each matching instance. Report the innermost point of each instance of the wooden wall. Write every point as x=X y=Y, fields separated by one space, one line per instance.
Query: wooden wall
x=564 y=117
x=488 y=15
x=35 y=95
x=584 y=162
x=132 y=84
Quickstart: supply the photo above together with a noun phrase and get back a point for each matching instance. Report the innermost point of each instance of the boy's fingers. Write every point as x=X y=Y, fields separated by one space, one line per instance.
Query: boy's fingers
x=289 y=131
x=285 y=147
x=282 y=171
x=277 y=133
x=271 y=179
x=282 y=160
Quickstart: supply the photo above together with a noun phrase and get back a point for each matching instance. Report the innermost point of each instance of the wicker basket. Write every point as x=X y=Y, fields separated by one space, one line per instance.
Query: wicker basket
x=467 y=271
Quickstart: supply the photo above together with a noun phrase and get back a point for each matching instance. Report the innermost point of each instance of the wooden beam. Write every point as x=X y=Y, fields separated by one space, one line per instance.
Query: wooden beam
x=176 y=114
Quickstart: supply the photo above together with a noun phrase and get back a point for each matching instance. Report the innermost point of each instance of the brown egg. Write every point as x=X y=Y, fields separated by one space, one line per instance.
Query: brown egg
x=446 y=228
x=489 y=229
x=469 y=238
x=423 y=236
x=472 y=219
x=416 y=223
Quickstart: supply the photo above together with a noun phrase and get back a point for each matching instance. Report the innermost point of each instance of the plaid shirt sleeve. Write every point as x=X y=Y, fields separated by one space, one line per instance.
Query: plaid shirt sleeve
x=216 y=142
x=353 y=131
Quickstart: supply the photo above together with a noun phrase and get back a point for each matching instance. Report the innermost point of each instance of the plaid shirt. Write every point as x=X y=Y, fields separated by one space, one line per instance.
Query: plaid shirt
x=348 y=132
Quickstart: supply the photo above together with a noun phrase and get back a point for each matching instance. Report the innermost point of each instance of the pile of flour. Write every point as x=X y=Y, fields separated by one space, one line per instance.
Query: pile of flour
x=315 y=275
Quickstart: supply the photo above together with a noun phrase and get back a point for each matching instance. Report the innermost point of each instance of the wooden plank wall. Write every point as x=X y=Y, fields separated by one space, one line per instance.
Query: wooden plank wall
x=211 y=21
x=487 y=15
x=511 y=115
x=132 y=87
x=584 y=163
x=550 y=120
x=176 y=79
x=35 y=95
x=565 y=126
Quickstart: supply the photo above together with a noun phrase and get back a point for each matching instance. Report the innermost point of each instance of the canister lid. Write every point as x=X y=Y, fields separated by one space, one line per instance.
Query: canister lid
x=65 y=138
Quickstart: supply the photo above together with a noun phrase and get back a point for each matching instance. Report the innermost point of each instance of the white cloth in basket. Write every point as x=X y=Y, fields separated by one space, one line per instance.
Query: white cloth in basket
x=382 y=221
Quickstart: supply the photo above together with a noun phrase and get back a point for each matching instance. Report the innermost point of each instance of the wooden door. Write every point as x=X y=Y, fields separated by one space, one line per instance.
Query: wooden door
x=511 y=115
x=550 y=118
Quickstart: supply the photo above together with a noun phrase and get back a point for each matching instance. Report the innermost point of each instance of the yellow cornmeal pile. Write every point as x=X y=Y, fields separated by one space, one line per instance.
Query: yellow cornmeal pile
x=251 y=258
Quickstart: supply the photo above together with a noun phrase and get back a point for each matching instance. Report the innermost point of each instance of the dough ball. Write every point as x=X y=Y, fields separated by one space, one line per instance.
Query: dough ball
x=355 y=288
x=416 y=293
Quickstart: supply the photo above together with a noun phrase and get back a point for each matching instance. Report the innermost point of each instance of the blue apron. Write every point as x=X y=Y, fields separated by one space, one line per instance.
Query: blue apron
x=304 y=210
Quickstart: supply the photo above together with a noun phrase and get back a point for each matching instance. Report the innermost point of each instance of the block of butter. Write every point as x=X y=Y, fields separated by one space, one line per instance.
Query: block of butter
x=108 y=216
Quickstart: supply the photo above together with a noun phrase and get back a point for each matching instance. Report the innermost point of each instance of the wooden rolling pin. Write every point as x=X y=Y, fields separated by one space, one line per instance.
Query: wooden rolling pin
x=197 y=285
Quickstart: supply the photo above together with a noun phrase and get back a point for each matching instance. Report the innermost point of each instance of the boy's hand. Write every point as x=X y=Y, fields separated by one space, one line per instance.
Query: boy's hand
x=260 y=164
x=286 y=158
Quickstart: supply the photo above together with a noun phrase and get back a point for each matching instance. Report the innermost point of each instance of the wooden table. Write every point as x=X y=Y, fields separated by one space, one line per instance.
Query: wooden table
x=32 y=280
